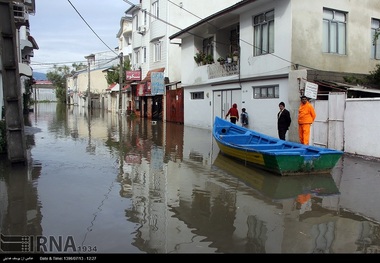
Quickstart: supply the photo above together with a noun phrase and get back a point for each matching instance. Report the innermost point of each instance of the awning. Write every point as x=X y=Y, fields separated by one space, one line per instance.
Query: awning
x=34 y=43
x=111 y=86
x=147 y=78
x=115 y=88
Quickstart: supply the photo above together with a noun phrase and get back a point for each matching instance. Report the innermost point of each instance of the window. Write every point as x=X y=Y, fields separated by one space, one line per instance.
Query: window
x=334 y=32
x=375 y=36
x=136 y=22
x=266 y=92
x=197 y=95
x=137 y=103
x=144 y=55
x=137 y=54
x=234 y=39
x=263 y=33
x=155 y=10
x=145 y=17
x=157 y=51
x=208 y=47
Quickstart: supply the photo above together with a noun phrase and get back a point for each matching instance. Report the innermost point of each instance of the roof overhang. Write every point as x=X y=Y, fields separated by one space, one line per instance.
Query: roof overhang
x=132 y=9
x=25 y=70
x=33 y=41
x=226 y=16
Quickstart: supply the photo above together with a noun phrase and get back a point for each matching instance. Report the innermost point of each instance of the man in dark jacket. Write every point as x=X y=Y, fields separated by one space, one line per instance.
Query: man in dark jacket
x=283 y=121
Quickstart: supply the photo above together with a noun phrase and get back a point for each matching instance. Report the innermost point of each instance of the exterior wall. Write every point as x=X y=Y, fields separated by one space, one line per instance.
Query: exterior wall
x=98 y=84
x=1 y=94
x=279 y=62
x=44 y=94
x=124 y=36
x=197 y=113
x=361 y=126
x=178 y=13
x=307 y=35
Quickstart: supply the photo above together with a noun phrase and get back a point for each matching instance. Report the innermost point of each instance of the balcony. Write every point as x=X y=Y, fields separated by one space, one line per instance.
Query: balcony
x=217 y=70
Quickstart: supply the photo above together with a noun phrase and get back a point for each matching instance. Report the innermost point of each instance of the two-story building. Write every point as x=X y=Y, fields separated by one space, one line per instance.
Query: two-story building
x=281 y=45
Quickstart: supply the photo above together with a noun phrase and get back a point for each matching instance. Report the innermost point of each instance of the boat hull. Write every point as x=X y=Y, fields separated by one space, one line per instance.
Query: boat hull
x=272 y=154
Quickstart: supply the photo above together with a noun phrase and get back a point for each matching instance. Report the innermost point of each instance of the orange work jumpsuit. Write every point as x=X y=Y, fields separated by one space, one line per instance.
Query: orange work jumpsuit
x=306 y=116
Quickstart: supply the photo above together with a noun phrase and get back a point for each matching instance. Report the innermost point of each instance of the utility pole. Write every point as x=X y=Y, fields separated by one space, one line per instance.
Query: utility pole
x=120 y=82
x=9 y=68
x=89 y=58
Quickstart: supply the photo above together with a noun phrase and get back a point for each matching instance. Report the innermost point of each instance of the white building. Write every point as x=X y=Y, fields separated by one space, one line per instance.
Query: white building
x=281 y=45
x=153 y=22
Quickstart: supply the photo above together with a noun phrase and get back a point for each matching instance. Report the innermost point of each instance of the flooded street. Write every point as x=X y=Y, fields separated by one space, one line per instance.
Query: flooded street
x=107 y=183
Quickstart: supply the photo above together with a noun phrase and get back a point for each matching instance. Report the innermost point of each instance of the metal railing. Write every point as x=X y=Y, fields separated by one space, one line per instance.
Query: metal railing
x=217 y=70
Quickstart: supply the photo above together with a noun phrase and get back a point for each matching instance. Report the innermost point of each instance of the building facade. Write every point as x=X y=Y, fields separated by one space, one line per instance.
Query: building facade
x=281 y=45
x=152 y=52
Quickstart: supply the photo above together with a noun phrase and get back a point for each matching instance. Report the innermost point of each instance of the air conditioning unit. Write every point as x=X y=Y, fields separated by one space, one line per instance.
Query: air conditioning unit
x=141 y=30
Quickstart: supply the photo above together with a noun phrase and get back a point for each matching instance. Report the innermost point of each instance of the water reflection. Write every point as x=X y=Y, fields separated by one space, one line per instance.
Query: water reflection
x=127 y=185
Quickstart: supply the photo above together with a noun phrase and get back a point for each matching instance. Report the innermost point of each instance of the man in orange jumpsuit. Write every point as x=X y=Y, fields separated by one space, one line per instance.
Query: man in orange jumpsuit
x=306 y=116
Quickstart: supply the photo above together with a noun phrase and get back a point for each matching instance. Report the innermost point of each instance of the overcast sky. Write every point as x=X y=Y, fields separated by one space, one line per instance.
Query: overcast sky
x=63 y=36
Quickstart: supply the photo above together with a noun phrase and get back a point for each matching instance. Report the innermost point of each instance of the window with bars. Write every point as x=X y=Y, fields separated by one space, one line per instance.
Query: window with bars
x=266 y=92
x=197 y=95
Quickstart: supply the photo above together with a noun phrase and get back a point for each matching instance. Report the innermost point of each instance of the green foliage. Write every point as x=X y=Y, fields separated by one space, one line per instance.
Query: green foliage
x=58 y=77
x=354 y=80
x=374 y=75
x=199 y=57
x=78 y=67
x=372 y=79
x=375 y=37
x=208 y=60
x=202 y=58
x=113 y=72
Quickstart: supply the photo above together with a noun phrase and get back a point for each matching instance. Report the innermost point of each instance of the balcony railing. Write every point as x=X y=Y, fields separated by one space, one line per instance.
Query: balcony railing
x=217 y=70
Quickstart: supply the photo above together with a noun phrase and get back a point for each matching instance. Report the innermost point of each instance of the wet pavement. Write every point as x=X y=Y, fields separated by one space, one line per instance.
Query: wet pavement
x=108 y=183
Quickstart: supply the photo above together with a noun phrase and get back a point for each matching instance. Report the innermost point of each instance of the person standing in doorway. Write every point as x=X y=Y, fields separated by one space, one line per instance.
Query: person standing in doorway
x=233 y=113
x=283 y=121
x=306 y=117
x=244 y=117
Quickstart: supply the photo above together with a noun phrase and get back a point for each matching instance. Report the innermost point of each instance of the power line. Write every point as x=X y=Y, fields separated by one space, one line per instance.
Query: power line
x=91 y=28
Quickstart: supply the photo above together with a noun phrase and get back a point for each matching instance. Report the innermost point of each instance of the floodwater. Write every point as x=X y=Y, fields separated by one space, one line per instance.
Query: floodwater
x=109 y=183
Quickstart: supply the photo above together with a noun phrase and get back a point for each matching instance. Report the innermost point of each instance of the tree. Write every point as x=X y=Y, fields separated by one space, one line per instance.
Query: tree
x=113 y=72
x=58 y=77
x=78 y=67
x=372 y=79
x=374 y=76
